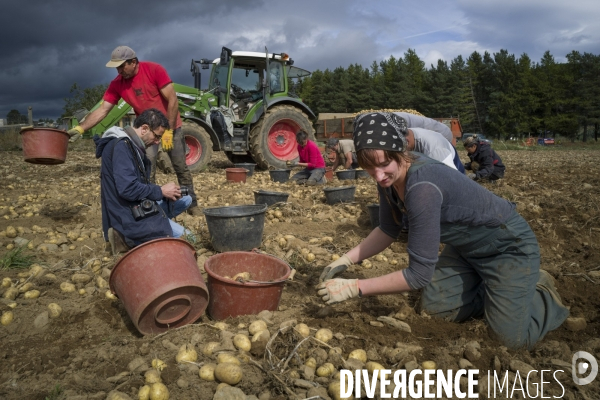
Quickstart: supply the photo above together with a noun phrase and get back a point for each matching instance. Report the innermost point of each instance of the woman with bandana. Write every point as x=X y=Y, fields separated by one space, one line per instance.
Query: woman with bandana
x=490 y=264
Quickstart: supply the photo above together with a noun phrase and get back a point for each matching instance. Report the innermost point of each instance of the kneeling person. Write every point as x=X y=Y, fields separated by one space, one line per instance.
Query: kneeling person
x=135 y=211
x=310 y=158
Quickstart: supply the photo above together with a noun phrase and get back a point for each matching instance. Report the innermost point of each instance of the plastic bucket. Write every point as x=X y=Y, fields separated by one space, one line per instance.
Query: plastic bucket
x=342 y=194
x=280 y=175
x=329 y=174
x=269 y=198
x=249 y=166
x=236 y=227
x=236 y=174
x=361 y=174
x=229 y=298
x=346 y=174
x=374 y=214
x=160 y=285
x=44 y=145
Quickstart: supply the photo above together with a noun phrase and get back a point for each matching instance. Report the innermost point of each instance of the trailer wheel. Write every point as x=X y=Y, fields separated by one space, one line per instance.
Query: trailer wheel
x=198 y=146
x=273 y=138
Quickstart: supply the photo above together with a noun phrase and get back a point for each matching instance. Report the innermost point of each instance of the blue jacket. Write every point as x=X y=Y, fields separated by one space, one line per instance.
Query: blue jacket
x=123 y=184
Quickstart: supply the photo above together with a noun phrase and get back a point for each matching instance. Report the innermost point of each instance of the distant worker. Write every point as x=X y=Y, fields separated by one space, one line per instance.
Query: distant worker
x=311 y=159
x=144 y=85
x=485 y=163
x=135 y=211
x=343 y=148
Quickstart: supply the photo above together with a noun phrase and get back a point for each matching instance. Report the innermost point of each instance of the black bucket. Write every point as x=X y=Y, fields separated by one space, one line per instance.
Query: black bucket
x=280 y=175
x=342 y=194
x=374 y=214
x=249 y=166
x=269 y=198
x=236 y=228
x=346 y=174
x=361 y=174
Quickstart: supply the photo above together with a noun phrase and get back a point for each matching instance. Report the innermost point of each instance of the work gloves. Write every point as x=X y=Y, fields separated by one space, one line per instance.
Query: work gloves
x=291 y=163
x=338 y=290
x=167 y=140
x=75 y=133
x=335 y=268
x=472 y=175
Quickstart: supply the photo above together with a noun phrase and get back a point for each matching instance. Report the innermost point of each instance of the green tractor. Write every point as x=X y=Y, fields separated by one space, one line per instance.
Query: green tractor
x=253 y=90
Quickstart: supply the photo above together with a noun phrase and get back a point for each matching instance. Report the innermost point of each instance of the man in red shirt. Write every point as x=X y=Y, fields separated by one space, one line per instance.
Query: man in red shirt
x=144 y=85
x=310 y=158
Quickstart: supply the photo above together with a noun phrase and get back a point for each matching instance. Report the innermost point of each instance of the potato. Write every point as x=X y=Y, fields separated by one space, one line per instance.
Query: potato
x=293 y=374
x=311 y=362
x=32 y=294
x=158 y=391
x=326 y=369
x=109 y=295
x=186 y=353
x=54 y=310
x=358 y=354
x=221 y=386
x=302 y=329
x=372 y=366
x=242 y=342
x=327 y=239
x=11 y=293
x=158 y=364
x=67 y=287
x=324 y=335
x=26 y=287
x=334 y=257
x=227 y=358
x=257 y=326
x=209 y=347
x=242 y=276
x=428 y=365
x=220 y=326
x=334 y=389
x=7 y=318
x=6 y=282
x=152 y=376
x=11 y=232
x=144 y=393
x=36 y=270
x=229 y=373
x=367 y=264
x=207 y=372
x=310 y=257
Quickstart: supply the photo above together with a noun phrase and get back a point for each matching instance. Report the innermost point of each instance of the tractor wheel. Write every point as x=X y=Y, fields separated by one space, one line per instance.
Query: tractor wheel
x=198 y=146
x=273 y=138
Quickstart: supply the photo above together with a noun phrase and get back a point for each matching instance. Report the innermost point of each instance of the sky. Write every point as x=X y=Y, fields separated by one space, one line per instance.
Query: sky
x=47 y=46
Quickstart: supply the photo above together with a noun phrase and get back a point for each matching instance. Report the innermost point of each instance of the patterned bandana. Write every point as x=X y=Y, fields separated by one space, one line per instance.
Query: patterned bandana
x=380 y=130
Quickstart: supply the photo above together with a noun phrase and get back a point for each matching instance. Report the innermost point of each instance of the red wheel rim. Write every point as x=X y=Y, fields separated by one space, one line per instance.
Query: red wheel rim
x=195 y=150
x=282 y=140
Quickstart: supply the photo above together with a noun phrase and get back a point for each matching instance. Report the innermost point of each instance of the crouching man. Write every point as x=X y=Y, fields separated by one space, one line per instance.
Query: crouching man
x=134 y=210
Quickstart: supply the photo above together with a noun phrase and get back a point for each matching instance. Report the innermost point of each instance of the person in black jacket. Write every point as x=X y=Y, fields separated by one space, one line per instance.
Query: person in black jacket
x=134 y=210
x=485 y=162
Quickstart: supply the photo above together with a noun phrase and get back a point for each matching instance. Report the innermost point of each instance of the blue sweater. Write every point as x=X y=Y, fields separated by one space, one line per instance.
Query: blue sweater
x=122 y=185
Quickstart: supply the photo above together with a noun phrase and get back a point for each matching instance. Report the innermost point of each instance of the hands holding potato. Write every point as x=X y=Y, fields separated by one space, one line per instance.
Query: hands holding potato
x=338 y=290
x=335 y=268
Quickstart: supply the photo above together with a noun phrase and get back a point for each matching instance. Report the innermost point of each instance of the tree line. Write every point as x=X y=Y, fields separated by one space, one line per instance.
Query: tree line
x=497 y=94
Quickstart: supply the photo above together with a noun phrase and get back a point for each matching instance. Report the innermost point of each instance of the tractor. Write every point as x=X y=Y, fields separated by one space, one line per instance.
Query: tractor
x=253 y=89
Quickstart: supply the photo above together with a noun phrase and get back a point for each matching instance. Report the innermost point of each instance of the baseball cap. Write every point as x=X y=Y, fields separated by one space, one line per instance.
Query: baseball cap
x=119 y=56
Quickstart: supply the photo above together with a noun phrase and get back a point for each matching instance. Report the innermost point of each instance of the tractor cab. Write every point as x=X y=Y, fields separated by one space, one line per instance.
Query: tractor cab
x=241 y=79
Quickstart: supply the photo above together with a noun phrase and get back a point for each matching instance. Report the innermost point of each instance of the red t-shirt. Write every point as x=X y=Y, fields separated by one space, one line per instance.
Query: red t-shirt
x=143 y=90
x=312 y=155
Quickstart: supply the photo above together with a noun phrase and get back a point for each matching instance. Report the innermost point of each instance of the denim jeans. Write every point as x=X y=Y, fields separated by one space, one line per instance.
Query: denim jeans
x=173 y=209
x=493 y=273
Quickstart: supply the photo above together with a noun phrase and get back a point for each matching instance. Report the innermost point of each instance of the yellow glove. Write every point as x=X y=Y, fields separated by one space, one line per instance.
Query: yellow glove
x=167 y=140
x=75 y=133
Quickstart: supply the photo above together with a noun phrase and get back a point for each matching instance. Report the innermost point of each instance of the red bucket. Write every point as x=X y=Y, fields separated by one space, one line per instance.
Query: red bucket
x=229 y=298
x=44 y=145
x=236 y=174
x=160 y=285
x=329 y=174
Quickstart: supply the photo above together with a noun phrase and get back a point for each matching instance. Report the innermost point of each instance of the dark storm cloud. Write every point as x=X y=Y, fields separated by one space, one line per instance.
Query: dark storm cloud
x=47 y=46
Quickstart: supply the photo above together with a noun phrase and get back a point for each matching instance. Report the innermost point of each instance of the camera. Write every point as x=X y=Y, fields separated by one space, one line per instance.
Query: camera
x=146 y=208
x=185 y=191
